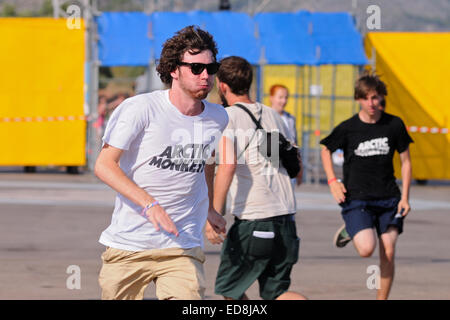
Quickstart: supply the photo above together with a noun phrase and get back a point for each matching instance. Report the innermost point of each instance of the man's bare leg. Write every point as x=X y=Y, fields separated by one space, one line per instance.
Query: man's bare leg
x=291 y=295
x=387 y=265
x=365 y=242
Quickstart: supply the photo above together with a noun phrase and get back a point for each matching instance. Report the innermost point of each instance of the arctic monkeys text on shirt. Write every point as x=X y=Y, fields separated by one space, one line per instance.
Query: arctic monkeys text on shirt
x=188 y=158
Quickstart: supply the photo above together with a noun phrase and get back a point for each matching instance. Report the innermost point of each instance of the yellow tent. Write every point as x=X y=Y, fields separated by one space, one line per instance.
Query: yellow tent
x=416 y=69
x=42 y=92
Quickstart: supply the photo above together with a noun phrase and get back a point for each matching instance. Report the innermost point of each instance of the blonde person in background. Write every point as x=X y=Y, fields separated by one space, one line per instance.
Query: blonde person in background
x=279 y=95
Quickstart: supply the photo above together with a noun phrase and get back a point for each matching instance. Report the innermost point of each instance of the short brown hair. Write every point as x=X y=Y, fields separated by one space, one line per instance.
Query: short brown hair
x=190 y=39
x=237 y=73
x=366 y=82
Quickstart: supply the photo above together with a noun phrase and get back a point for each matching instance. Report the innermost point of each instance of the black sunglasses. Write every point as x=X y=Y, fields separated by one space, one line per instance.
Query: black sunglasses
x=197 y=68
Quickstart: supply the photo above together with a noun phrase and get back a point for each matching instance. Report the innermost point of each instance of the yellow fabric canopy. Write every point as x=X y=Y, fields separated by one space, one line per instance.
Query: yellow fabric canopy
x=416 y=69
x=42 y=92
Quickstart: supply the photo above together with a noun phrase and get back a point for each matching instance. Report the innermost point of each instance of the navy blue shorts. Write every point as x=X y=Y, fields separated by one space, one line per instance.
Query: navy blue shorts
x=364 y=214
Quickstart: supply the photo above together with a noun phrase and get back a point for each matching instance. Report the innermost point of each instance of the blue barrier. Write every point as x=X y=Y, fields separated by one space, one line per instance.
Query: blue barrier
x=134 y=38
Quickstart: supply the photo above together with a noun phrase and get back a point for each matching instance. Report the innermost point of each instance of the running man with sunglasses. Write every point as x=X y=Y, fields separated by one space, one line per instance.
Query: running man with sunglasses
x=157 y=155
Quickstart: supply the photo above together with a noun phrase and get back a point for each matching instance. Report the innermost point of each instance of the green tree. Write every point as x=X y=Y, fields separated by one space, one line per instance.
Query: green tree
x=9 y=10
x=46 y=9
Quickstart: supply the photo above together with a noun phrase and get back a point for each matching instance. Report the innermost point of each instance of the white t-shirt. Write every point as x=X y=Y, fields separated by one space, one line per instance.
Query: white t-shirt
x=258 y=190
x=165 y=154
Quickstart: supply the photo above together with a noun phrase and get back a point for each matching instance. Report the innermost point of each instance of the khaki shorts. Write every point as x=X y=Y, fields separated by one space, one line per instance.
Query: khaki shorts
x=177 y=273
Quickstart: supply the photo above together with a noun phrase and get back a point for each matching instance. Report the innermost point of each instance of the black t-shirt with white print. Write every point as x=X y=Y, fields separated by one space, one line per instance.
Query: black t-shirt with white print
x=368 y=155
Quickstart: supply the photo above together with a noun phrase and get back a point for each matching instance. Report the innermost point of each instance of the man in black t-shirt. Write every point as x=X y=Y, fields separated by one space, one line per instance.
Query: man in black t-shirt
x=369 y=196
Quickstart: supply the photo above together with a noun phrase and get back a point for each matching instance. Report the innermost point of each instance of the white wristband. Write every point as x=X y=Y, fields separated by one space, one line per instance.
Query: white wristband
x=144 y=211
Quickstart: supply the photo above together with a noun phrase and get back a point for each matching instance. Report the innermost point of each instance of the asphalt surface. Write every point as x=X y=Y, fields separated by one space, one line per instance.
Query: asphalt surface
x=50 y=223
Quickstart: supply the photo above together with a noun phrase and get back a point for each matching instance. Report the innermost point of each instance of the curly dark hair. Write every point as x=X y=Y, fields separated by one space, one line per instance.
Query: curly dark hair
x=190 y=39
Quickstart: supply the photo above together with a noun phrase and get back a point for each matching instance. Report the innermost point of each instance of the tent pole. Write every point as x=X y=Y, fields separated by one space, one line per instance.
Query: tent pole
x=94 y=142
x=55 y=4
x=259 y=90
x=355 y=72
x=260 y=75
x=297 y=87
x=316 y=134
x=333 y=97
x=309 y=130
x=373 y=61
x=304 y=145
x=151 y=63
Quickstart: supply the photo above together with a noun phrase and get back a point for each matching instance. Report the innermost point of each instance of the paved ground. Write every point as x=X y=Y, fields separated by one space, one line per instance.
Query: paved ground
x=51 y=221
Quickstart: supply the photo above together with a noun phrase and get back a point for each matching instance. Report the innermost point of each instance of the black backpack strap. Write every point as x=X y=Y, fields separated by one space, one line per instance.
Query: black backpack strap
x=258 y=125
x=257 y=122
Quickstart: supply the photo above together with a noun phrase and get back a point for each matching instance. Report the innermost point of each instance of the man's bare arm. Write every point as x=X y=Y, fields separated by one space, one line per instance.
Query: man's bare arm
x=405 y=159
x=337 y=188
x=215 y=220
x=222 y=182
x=108 y=170
x=225 y=173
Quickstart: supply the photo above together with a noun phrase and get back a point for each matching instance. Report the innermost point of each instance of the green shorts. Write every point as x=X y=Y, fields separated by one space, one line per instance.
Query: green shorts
x=263 y=250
